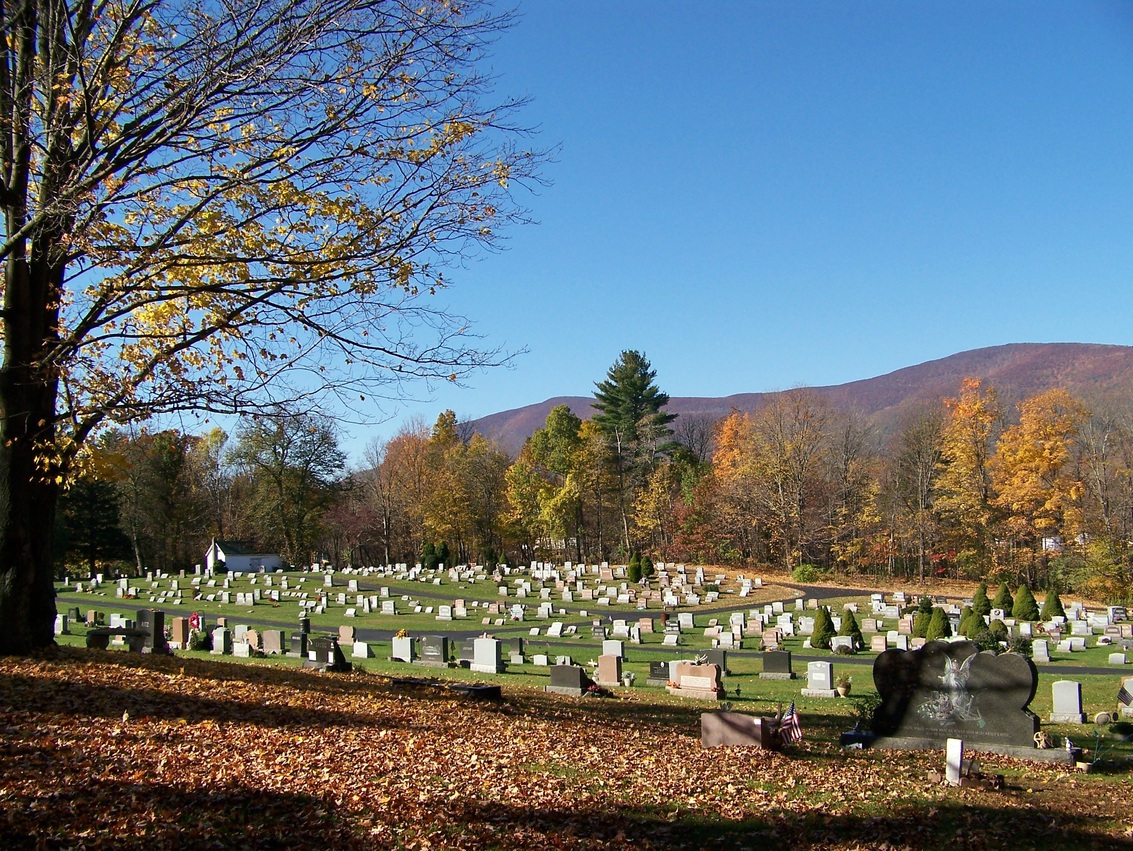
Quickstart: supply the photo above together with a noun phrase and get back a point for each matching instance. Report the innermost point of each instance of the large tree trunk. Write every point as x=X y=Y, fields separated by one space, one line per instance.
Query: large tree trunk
x=29 y=468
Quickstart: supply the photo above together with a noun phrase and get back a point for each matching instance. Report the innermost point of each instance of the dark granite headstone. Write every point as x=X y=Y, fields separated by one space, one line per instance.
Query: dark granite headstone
x=950 y=690
x=658 y=674
x=305 y=625
x=152 y=621
x=325 y=654
x=467 y=651
x=434 y=651
x=568 y=679
x=719 y=658
x=298 y=645
x=777 y=665
x=598 y=632
x=512 y=644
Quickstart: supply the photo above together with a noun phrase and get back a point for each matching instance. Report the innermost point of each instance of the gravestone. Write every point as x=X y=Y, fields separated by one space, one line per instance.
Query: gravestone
x=298 y=645
x=844 y=641
x=719 y=658
x=273 y=642
x=403 y=650
x=613 y=647
x=777 y=665
x=568 y=679
x=701 y=682
x=1067 y=703
x=221 y=641
x=179 y=633
x=324 y=654
x=953 y=761
x=658 y=674
x=153 y=622
x=1125 y=698
x=878 y=644
x=609 y=670
x=486 y=656
x=820 y=680
x=723 y=729
x=1040 y=650
x=951 y=690
x=434 y=651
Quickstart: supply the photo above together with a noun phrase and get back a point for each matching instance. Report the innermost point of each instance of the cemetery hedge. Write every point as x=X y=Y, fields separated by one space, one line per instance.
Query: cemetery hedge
x=114 y=750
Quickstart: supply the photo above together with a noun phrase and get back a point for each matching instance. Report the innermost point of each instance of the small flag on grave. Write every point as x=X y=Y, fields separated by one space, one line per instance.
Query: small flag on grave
x=1123 y=696
x=790 y=730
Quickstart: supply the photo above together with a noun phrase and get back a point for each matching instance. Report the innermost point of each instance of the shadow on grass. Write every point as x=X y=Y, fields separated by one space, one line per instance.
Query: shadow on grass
x=943 y=826
x=219 y=698
x=128 y=815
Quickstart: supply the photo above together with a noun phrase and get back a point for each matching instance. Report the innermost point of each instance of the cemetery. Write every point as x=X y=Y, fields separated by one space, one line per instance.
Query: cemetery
x=705 y=681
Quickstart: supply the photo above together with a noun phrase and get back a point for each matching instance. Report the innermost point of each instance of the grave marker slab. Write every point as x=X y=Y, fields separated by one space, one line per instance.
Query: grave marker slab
x=951 y=690
x=777 y=665
x=569 y=680
x=724 y=729
x=609 y=670
x=1067 y=703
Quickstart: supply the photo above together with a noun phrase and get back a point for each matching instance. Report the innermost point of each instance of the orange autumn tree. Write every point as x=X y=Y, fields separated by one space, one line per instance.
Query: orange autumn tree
x=963 y=493
x=1037 y=487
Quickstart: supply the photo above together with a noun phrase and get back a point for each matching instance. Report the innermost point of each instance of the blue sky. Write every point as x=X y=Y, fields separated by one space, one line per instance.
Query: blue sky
x=761 y=195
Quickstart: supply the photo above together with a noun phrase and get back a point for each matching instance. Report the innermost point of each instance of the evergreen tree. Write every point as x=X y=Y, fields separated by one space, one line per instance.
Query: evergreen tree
x=999 y=629
x=88 y=528
x=851 y=627
x=975 y=626
x=925 y=605
x=981 y=605
x=1052 y=606
x=629 y=413
x=1003 y=598
x=920 y=624
x=965 y=615
x=939 y=627
x=633 y=569
x=823 y=629
x=1025 y=608
x=646 y=567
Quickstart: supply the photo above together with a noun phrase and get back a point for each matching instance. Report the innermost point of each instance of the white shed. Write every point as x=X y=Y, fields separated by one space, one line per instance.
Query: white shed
x=239 y=557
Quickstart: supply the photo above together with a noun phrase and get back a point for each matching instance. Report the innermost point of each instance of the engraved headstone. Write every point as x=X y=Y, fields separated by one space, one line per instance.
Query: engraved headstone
x=1067 y=703
x=951 y=690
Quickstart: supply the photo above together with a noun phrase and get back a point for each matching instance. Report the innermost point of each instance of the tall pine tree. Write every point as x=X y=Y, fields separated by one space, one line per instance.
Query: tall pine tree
x=634 y=425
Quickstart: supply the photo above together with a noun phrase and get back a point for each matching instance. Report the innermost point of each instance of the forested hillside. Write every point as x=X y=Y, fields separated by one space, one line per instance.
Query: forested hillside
x=1028 y=481
x=1092 y=372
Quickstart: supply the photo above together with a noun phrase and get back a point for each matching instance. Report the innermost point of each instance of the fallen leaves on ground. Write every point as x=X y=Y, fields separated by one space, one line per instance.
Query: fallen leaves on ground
x=109 y=750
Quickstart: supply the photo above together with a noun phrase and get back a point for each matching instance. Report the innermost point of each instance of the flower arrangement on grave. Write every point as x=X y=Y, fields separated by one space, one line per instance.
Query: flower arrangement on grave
x=842 y=682
x=402 y=633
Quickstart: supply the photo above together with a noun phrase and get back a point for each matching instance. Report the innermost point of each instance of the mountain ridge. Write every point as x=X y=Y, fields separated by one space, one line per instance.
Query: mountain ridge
x=1091 y=371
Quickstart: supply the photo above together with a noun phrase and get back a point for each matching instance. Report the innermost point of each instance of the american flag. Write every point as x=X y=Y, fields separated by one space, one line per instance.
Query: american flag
x=1123 y=695
x=790 y=730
